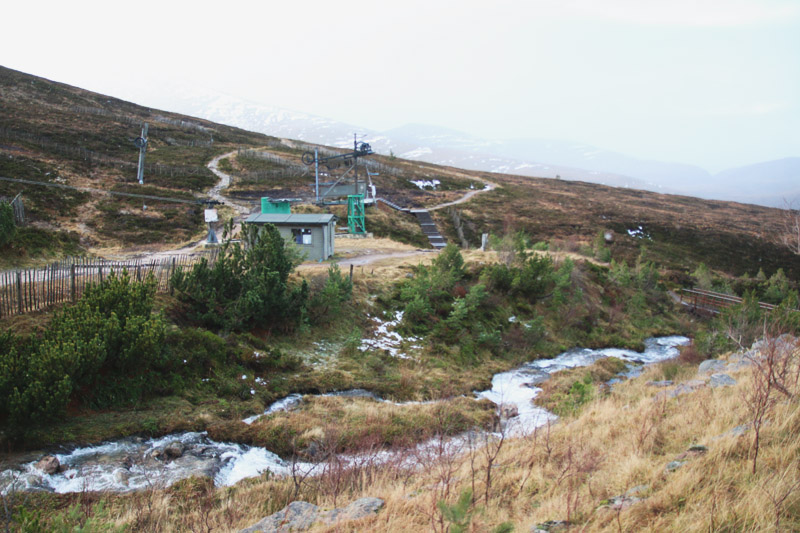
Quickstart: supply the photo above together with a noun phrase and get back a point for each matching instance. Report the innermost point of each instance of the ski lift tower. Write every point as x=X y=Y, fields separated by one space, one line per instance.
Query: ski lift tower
x=355 y=201
x=141 y=144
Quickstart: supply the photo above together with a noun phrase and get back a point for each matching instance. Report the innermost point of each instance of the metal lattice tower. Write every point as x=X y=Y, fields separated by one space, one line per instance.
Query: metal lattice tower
x=355 y=214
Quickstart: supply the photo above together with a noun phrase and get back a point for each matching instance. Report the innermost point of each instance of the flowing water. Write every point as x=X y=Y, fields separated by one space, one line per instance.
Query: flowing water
x=135 y=463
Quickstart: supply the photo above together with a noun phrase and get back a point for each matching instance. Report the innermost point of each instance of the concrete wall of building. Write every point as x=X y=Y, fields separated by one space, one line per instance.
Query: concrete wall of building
x=321 y=246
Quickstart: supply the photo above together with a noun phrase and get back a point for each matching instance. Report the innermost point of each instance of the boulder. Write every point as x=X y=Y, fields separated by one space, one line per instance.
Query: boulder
x=721 y=380
x=638 y=490
x=693 y=451
x=299 y=516
x=711 y=365
x=683 y=388
x=507 y=410
x=121 y=476
x=49 y=465
x=674 y=465
x=664 y=383
x=738 y=431
x=174 y=449
x=620 y=503
x=631 y=496
x=314 y=451
x=360 y=508
x=550 y=525
x=157 y=454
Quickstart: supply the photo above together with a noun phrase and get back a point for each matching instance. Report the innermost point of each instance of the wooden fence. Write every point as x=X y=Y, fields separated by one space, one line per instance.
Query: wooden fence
x=18 y=206
x=701 y=299
x=35 y=289
x=90 y=156
x=138 y=121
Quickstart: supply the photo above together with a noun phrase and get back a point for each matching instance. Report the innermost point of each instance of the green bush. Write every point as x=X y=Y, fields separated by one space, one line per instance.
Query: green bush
x=327 y=302
x=429 y=295
x=777 y=288
x=108 y=349
x=248 y=285
x=703 y=277
x=578 y=395
x=528 y=276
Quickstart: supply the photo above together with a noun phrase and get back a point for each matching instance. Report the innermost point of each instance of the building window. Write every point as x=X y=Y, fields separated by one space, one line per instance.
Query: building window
x=301 y=236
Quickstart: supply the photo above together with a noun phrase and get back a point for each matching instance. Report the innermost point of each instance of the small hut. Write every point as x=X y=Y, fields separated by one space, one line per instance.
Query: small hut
x=312 y=233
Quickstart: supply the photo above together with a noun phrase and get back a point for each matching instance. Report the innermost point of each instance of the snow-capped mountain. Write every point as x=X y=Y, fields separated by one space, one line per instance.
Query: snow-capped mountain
x=768 y=183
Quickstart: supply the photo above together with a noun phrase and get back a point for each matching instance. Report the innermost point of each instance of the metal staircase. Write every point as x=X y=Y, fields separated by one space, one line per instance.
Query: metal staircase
x=425 y=222
x=429 y=228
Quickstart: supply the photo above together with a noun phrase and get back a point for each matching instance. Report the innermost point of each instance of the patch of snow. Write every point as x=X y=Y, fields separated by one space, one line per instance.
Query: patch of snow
x=385 y=338
x=414 y=154
x=426 y=184
x=639 y=233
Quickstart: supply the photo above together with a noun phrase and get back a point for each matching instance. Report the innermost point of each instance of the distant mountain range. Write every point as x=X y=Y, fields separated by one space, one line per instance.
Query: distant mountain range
x=770 y=183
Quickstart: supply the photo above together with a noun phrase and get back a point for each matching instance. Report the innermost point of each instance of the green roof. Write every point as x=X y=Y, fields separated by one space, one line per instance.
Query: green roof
x=295 y=219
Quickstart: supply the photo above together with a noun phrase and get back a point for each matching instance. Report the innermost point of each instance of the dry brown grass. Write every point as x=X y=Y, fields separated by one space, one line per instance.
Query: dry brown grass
x=570 y=470
x=338 y=424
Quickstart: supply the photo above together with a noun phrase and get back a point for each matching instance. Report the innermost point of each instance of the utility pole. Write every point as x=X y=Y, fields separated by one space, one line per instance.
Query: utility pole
x=141 y=142
x=316 y=173
x=355 y=163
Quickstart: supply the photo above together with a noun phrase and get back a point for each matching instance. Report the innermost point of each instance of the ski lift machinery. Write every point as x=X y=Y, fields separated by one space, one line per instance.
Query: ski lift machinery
x=355 y=201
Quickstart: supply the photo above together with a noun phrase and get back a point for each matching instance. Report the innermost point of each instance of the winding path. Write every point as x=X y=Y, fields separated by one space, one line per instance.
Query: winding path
x=216 y=193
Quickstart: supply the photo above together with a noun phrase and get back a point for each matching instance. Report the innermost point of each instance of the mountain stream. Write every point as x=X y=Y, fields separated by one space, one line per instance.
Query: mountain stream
x=136 y=463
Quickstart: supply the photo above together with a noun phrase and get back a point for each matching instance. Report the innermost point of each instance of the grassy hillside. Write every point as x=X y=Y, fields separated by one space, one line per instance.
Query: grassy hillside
x=55 y=133
x=233 y=337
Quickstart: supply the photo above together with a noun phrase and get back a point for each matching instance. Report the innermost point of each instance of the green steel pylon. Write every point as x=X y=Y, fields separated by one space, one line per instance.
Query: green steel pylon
x=355 y=214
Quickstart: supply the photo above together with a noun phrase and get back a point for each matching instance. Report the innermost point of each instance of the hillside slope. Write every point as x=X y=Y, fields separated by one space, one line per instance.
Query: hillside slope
x=57 y=134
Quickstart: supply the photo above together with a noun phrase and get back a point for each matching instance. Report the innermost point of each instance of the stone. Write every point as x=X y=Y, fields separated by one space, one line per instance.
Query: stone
x=360 y=508
x=121 y=476
x=507 y=410
x=174 y=449
x=550 y=525
x=299 y=516
x=314 y=451
x=620 y=503
x=674 y=465
x=711 y=365
x=693 y=451
x=49 y=465
x=683 y=388
x=664 y=383
x=631 y=496
x=638 y=490
x=158 y=454
x=721 y=380
x=738 y=431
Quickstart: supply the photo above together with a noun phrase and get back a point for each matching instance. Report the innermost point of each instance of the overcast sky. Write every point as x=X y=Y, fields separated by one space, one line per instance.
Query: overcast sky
x=709 y=82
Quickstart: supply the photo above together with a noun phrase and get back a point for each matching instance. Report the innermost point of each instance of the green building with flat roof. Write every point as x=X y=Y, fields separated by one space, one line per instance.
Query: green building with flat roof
x=312 y=233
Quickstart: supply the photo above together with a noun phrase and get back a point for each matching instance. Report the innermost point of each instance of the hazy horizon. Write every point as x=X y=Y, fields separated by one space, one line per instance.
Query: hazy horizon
x=709 y=83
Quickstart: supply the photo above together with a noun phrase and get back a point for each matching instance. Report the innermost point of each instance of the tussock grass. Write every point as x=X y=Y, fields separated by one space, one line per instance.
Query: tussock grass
x=571 y=470
x=336 y=424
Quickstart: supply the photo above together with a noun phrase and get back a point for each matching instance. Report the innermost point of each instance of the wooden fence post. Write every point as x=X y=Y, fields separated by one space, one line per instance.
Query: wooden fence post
x=19 y=290
x=72 y=288
x=169 y=279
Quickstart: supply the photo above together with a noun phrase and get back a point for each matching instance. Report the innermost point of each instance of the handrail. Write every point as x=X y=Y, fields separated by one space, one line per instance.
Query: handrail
x=716 y=300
